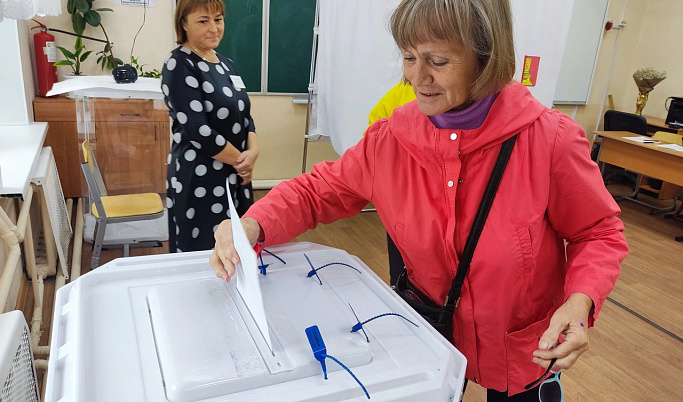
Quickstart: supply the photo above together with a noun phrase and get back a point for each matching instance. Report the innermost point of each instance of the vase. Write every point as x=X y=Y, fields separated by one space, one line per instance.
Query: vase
x=640 y=102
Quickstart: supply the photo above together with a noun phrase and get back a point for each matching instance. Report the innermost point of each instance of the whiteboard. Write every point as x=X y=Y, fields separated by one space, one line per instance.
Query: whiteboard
x=581 y=52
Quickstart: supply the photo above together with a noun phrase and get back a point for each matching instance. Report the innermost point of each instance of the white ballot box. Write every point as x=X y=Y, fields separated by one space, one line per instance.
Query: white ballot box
x=164 y=328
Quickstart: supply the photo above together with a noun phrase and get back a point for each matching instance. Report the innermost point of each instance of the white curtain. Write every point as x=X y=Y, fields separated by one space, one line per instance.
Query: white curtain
x=26 y=9
x=358 y=61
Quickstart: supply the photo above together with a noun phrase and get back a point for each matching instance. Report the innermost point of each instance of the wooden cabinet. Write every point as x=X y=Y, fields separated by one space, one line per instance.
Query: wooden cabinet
x=131 y=143
x=62 y=136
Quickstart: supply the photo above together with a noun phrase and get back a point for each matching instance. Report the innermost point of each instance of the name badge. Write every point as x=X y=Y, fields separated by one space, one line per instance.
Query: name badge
x=237 y=82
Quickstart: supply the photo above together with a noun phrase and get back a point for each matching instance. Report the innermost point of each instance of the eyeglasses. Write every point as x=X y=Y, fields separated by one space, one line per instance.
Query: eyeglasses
x=550 y=388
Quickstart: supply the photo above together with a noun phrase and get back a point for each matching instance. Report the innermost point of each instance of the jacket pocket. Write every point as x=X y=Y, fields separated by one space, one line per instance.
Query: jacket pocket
x=521 y=341
x=525 y=249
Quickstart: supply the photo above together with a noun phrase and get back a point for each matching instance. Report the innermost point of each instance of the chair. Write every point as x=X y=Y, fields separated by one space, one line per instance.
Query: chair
x=114 y=209
x=622 y=121
x=668 y=137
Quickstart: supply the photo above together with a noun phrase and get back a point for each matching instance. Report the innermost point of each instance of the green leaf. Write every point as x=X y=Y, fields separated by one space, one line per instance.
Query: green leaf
x=71 y=6
x=106 y=47
x=93 y=18
x=79 y=43
x=110 y=64
x=66 y=53
x=118 y=61
x=82 y=6
x=64 y=63
x=78 y=23
x=104 y=9
x=85 y=55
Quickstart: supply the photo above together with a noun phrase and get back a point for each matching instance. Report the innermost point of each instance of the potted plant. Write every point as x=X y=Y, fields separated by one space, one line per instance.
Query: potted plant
x=155 y=73
x=83 y=14
x=75 y=58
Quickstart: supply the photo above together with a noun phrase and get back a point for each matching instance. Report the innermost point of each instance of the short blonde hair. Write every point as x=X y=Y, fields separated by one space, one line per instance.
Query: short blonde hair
x=483 y=27
x=187 y=7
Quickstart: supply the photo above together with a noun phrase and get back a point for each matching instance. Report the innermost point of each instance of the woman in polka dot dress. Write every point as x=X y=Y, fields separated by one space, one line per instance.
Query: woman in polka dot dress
x=214 y=137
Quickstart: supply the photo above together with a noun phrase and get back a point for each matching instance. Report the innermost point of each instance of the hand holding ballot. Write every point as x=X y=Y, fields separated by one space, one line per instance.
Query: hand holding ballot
x=224 y=257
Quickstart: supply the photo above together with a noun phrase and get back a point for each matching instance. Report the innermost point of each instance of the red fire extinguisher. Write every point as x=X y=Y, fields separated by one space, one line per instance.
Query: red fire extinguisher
x=46 y=56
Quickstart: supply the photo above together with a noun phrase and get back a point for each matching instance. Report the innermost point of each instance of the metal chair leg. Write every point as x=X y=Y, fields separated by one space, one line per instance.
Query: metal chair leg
x=661 y=210
x=98 y=240
x=126 y=250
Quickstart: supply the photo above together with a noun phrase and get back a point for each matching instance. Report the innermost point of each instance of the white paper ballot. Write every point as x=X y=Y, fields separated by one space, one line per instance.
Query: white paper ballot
x=673 y=147
x=246 y=272
x=643 y=140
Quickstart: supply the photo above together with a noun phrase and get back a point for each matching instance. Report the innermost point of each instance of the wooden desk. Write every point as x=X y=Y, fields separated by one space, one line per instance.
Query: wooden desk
x=132 y=143
x=648 y=159
x=656 y=124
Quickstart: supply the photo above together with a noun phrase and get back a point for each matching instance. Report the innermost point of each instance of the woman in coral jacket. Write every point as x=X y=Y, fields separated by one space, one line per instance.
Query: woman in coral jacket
x=425 y=169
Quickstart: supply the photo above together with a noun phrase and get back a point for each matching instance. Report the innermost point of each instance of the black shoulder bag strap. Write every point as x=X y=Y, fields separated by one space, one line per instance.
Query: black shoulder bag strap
x=479 y=220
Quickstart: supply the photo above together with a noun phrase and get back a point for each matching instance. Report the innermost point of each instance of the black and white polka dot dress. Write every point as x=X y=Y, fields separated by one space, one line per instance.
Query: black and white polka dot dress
x=208 y=111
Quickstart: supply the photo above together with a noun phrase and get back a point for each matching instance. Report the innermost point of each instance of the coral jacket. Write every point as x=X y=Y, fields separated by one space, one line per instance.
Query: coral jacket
x=427 y=183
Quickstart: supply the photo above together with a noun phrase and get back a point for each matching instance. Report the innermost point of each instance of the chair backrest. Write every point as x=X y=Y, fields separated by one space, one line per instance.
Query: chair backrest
x=622 y=121
x=96 y=189
x=668 y=137
x=674 y=139
x=93 y=168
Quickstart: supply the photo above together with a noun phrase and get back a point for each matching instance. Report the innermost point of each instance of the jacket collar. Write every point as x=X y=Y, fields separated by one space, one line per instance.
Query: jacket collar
x=514 y=110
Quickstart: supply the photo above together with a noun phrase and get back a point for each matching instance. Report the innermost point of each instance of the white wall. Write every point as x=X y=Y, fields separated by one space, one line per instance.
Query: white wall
x=151 y=47
x=649 y=39
x=15 y=74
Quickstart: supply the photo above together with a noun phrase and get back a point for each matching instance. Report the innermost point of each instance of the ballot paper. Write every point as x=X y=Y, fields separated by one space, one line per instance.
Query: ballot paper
x=673 y=147
x=247 y=273
x=643 y=140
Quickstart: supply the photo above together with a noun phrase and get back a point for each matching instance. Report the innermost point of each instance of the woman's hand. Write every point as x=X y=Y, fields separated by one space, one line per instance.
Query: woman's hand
x=245 y=164
x=570 y=321
x=224 y=257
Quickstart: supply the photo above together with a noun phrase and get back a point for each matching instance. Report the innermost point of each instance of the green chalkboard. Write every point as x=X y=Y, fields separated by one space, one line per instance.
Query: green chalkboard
x=289 y=46
x=290 y=39
x=242 y=39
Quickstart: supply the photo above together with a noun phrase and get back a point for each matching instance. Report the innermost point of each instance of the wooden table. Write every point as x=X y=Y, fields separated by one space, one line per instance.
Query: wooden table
x=655 y=124
x=648 y=159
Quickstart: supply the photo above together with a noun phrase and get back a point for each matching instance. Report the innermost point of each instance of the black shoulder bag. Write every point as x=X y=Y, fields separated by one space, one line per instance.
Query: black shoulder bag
x=441 y=317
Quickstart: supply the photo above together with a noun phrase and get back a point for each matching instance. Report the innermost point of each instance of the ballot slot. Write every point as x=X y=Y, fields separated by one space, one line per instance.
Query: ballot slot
x=276 y=359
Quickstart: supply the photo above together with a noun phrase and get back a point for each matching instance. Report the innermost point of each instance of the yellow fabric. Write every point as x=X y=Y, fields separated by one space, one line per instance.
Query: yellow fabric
x=118 y=206
x=668 y=137
x=397 y=96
